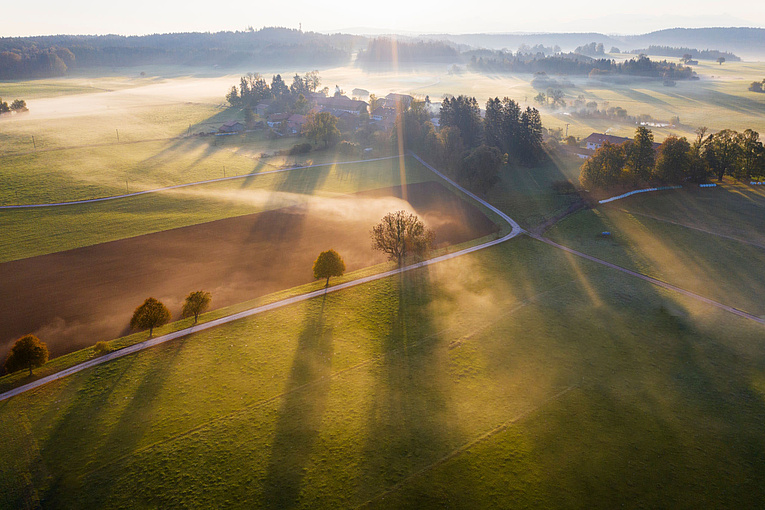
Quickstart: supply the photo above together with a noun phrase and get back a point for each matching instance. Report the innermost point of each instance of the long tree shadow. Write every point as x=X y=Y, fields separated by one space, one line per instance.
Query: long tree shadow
x=136 y=419
x=300 y=416
x=409 y=425
x=67 y=447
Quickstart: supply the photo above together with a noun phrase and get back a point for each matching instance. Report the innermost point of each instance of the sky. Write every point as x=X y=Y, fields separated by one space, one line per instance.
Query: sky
x=401 y=16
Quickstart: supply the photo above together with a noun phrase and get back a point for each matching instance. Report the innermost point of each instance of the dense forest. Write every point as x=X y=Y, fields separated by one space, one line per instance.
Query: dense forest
x=47 y=56
x=386 y=50
x=669 y=51
x=576 y=64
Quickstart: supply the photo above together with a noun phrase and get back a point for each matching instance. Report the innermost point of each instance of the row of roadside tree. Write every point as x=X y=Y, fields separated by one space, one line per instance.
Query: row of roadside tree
x=708 y=156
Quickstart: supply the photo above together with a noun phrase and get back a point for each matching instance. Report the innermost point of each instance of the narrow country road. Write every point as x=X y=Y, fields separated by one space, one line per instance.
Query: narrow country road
x=515 y=231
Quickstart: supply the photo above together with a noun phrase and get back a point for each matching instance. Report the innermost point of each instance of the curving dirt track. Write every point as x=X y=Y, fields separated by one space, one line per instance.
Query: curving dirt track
x=74 y=298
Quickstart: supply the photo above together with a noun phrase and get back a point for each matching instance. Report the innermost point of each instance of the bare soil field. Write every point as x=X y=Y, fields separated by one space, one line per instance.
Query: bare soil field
x=75 y=298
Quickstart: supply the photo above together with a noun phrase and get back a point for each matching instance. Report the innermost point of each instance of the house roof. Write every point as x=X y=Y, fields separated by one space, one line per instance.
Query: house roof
x=231 y=123
x=297 y=118
x=600 y=139
x=342 y=103
x=382 y=111
x=276 y=117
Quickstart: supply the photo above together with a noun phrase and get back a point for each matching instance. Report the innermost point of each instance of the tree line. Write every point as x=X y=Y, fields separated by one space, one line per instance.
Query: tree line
x=577 y=64
x=389 y=50
x=254 y=89
x=48 y=56
x=670 y=51
x=636 y=162
x=471 y=148
x=18 y=105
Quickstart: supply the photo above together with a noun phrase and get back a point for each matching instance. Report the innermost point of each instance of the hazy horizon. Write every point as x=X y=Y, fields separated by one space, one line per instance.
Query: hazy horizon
x=79 y=18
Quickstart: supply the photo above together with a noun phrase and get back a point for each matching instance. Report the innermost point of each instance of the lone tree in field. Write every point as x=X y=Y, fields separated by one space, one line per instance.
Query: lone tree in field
x=27 y=352
x=400 y=234
x=151 y=314
x=196 y=303
x=329 y=263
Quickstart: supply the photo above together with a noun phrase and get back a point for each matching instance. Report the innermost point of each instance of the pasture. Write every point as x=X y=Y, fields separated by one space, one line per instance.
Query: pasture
x=516 y=376
x=512 y=376
x=708 y=241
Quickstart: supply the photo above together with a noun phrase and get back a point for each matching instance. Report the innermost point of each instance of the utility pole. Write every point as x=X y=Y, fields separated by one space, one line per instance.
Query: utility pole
x=118 y=135
x=224 y=172
x=33 y=142
x=566 y=129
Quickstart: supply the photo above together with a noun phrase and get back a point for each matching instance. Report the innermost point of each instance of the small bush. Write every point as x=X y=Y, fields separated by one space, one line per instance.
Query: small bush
x=300 y=148
x=101 y=348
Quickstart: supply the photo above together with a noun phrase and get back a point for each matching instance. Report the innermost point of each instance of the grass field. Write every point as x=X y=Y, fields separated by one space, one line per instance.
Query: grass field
x=606 y=399
x=30 y=232
x=720 y=257
x=516 y=376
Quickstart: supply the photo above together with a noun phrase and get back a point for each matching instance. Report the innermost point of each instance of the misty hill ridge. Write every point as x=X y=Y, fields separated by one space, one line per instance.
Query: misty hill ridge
x=745 y=41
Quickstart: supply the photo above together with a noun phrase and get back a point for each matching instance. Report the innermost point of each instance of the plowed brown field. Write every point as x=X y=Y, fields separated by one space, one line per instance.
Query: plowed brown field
x=75 y=298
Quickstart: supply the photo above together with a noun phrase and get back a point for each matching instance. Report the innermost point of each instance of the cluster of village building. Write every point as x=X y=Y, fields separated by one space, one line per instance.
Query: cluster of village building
x=347 y=110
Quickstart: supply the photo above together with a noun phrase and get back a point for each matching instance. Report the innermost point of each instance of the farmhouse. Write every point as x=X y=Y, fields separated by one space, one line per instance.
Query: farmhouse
x=342 y=104
x=596 y=140
x=295 y=123
x=277 y=118
x=232 y=126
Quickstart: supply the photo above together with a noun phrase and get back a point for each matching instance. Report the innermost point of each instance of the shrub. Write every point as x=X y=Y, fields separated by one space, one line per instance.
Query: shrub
x=300 y=148
x=101 y=348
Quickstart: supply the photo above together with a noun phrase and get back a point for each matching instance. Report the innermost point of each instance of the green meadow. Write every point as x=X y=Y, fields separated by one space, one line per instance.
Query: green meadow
x=515 y=376
x=38 y=231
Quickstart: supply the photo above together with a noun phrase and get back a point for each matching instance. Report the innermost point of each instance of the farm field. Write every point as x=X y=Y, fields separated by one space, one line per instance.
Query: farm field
x=720 y=257
x=512 y=376
x=516 y=376
x=32 y=232
x=74 y=298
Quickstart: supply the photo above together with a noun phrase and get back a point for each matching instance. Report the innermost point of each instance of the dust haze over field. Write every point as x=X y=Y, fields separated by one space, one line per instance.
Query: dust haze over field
x=73 y=299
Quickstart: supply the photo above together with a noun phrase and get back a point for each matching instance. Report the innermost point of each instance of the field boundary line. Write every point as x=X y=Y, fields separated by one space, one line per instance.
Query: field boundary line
x=515 y=231
x=652 y=280
x=467 y=446
x=699 y=229
x=187 y=184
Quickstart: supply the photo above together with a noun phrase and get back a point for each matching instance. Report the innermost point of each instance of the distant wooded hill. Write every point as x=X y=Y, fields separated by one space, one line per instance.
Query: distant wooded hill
x=45 y=56
x=746 y=42
x=384 y=50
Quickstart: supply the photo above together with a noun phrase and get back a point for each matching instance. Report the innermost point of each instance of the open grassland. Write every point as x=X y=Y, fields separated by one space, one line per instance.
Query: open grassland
x=708 y=241
x=515 y=376
x=30 y=232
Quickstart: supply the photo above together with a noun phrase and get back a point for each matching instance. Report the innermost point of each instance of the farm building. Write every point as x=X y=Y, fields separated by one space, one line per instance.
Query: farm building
x=232 y=126
x=296 y=122
x=596 y=140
